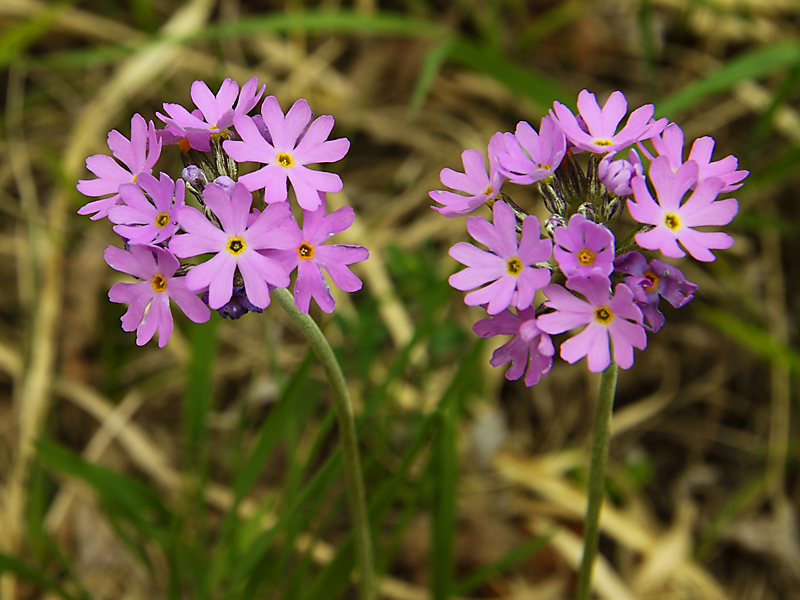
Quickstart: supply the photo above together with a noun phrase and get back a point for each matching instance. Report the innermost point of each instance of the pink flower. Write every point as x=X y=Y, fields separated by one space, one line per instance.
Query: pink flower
x=530 y=351
x=149 y=309
x=286 y=156
x=616 y=175
x=584 y=247
x=236 y=245
x=138 y=154
x=311 y=256
x=530 y=157
x=597 y=131
x=141 y=221
x=670 y=144
x=616 y=318
x=213 y=115
x=509 y=266
x=478 y=185
x=675 y=220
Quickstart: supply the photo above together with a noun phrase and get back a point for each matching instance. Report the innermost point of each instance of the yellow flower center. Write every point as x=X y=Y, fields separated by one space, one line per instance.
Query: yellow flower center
x=586 y=257
x=162 y=220
x=603 y=314
x=543 y=166
x=213 y=128
x=672 y=221
x=159 y=283
x=603 y=143
x=135 y=177
x=235 y=245
x=305 y=251
x=285 y=160
x=488 y=191
x=514 y=266
x=652 y=281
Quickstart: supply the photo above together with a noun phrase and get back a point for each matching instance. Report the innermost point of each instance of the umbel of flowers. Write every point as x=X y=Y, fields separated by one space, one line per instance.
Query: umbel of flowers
x=589 y=278
x=238 y=251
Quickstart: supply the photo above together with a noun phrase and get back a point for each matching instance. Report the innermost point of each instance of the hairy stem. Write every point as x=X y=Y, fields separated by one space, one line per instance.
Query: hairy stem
x=347 y=432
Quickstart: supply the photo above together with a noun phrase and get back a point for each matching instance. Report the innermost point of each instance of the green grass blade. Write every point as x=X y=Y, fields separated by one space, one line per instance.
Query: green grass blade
x=9 y=564
x=753 y=65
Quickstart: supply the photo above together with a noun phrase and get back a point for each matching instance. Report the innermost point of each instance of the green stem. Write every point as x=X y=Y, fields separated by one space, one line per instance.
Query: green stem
x=600 y=441
x=347 y=432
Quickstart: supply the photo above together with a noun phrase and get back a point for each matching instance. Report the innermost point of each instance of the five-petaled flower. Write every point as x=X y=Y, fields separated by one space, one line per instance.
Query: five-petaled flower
x=285 y=157
x=236 y=245
x=149 y=309
x=141 y=221
x=510 y=264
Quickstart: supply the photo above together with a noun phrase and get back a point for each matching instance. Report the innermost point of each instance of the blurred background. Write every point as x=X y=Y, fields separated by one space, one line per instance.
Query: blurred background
x=210 y=469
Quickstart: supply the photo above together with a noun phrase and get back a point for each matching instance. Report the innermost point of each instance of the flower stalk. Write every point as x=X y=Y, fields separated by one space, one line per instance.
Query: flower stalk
x=347 y=431
x=600 y=443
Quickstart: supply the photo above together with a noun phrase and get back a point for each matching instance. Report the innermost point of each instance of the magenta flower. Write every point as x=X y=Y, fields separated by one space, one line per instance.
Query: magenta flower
x=674 y=221
x=286 y=156
x=597 y=131
x=149 y=309
x=138 y=154
x=141 y=221
x=649 y=281
x=616 y=175
x=529 y=156
x=616 y=318
x=214 y=113
x=670 y=144
x=530 y=351
x=236 y=246
x=509 y=265
x=478 y=185
x=583 y=247
x=311 y=256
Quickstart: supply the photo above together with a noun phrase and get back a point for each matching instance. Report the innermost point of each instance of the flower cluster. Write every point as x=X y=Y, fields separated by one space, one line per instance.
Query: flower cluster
x=608 y=288
x=239 y=251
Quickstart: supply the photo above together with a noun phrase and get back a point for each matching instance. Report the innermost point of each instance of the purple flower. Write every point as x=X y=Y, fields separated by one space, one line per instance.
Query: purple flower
x=141 y=221
x=531 y=157
x=138 y=154
x=237 y=306
x=674 y=221
x=149 y=309
x=478 y=185
x=213 y=115
x=583 y=248
x=292 y=148
x=597 y=131
x=649 y=281
x=617 y=318
x=236 y=246
x=311 y=256
x=616 y=175
x=670 y=144
x=510 y=265
x=530 y=351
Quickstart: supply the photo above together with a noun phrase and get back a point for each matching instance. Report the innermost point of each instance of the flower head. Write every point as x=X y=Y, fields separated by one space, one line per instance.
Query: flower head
x=149 y=309
x=670 y=144
x=649 y=281
x=675 y=219
x=530 y=350
x=312 y=255
x=214 y=113
x=616 y=175
x=509 y=265
x=597 y=130
x=141 y=221
x=584 y=247
x=529 y=156
x=138 y=154
x=477 y=186
x=610 y=321
x=236 y=245
x=286 y=156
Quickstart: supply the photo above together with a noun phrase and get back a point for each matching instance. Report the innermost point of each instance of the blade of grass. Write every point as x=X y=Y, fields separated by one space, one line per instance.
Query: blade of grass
x=31 y=575
x=430 y=67
x=752 y=65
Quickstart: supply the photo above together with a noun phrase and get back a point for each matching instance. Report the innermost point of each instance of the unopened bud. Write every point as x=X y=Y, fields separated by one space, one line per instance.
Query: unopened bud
x=553 y=223
x=588 y=211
